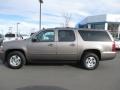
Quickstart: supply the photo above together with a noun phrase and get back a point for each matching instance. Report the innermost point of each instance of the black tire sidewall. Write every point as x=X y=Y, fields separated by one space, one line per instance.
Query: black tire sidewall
x=18 y=54
x=86 y=55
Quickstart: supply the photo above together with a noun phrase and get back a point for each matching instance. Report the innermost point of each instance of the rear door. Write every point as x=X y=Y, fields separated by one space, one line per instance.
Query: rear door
x=66 y=45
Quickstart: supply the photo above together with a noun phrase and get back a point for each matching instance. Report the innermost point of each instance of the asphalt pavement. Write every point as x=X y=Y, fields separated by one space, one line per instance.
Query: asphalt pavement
x=62 y=77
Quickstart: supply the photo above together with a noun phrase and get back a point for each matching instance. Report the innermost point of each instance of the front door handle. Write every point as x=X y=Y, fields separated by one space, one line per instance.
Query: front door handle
x=50 y=45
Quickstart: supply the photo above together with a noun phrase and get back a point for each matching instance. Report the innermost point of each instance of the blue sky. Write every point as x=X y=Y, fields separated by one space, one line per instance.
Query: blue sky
x=27 y=12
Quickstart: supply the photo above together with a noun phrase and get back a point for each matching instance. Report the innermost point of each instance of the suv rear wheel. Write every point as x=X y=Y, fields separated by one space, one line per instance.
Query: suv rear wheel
x=90 y=61
x=15 y=60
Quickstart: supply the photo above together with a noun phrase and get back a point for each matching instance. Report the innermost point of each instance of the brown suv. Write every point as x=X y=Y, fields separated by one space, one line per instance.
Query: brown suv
x=86 y=47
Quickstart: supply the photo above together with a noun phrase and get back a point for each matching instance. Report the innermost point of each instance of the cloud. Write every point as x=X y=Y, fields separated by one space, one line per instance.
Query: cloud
x=24 y=27
x=27 y=11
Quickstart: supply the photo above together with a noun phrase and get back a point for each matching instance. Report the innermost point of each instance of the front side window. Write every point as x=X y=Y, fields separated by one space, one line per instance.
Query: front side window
x=66 y=35
x=46 y=36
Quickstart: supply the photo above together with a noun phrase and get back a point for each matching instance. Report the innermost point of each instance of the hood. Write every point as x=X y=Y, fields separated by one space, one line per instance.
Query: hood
x=14 y=41
x=8 y=39
x=15 y=44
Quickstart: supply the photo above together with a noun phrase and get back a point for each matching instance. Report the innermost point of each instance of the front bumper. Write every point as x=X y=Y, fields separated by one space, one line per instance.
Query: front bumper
x=108 y=55
x=2 y=55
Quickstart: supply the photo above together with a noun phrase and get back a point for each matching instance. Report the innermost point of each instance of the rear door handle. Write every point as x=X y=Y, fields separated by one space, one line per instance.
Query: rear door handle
x=72 y=44
x=50 y=45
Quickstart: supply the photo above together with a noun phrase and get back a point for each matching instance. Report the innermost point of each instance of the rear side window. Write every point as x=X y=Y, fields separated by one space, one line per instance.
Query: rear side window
x=94 y=35
x=66 y=35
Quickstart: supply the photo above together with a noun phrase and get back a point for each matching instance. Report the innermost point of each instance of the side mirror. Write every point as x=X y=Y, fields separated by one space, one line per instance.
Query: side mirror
x=34 y=39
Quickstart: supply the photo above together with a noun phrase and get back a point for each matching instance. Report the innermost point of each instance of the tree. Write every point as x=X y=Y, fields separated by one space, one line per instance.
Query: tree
x=67 y=19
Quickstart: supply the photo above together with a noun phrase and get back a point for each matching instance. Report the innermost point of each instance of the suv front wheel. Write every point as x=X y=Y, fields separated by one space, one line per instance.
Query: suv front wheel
x=15 y=60
x=90 y=61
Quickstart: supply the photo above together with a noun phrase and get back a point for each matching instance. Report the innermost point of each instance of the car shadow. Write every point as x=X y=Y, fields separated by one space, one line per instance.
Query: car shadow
x=41 y=88
x=45 y=64
x=74 y=65
x=78 y=66
x=1 y=62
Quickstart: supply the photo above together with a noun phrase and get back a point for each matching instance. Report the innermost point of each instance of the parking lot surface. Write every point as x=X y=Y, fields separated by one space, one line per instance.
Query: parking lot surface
x=62 y=77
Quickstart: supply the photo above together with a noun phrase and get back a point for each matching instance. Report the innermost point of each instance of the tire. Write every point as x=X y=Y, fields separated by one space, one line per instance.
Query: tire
x=90 y=61
x=15 y=60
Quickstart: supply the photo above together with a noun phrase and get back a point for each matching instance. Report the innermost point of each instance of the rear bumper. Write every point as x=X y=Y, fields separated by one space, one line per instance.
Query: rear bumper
x=108 y=55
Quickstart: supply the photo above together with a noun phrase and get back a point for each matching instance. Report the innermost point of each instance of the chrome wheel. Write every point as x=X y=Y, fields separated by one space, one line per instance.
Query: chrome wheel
x=15 y=60
x=91 y=62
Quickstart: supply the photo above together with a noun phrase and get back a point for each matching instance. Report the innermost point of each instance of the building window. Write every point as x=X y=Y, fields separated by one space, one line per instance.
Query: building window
x=98 y=26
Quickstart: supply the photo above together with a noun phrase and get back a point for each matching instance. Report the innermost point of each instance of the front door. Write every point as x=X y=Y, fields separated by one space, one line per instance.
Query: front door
x=44 y=47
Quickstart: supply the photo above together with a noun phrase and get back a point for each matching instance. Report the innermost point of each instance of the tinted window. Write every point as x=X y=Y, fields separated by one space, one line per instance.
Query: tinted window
x=10 y=35
x=46 y=36
x=94 y=35
x=66 y=35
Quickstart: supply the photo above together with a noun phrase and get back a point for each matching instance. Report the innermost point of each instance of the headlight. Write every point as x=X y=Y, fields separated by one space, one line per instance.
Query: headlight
x=1 y=46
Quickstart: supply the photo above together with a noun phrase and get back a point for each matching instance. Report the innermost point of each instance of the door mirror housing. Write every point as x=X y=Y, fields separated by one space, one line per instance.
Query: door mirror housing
x=34 y=39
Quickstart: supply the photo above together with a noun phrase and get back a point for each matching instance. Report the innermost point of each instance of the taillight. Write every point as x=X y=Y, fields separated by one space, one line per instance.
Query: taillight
x=113 y=47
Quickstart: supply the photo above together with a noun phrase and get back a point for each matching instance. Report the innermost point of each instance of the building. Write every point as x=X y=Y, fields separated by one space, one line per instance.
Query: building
x=109 y=22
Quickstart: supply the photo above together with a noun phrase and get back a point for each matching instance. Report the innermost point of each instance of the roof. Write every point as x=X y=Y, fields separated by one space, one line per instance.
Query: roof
x=101 y=18
x=69 y=28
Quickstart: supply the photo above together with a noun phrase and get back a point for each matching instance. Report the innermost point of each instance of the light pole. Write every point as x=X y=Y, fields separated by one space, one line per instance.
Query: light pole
x=10 y=29
x=17 y=28
x=41 y=1
x=2 y=31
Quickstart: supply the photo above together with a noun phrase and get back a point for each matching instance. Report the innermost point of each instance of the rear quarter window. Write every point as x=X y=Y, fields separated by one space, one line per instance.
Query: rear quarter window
x=94 y=35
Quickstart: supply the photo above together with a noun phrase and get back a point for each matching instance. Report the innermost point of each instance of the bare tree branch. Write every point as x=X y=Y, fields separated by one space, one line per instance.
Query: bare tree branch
x=67 y=19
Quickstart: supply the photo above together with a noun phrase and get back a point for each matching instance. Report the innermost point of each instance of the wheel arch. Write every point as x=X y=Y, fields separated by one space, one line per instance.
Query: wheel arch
x=95 y=51
x=12 y=50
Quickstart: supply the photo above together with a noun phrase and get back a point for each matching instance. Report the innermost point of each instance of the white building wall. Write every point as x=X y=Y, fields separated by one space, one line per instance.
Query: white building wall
x=119 y=31
x=89 y=26
x=106 y=26
x=113 y=18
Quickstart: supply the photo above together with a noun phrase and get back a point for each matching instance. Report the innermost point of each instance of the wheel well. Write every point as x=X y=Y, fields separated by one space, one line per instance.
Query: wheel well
x=12 y=50
x=97 y=52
